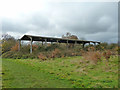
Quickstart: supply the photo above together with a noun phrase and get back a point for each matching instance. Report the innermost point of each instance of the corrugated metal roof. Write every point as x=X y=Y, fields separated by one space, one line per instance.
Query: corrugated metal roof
x=52 y=39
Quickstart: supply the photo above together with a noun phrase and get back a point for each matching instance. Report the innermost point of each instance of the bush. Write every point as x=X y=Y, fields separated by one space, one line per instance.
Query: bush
x=8 y=54
x=94 y=56
x=15 y=47
x=24 y=57
x=7 y=45
x=25 y=49
x=107 y=54
x=42 y=56
x=56 y=53
x=41 y=48
x=34 y=47
x=52 y=47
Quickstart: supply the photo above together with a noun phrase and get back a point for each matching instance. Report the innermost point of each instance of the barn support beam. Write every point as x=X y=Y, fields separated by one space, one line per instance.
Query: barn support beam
x=45 y=43
x=67 y=44
x=95 y=44
x=31 y=44
x=42 y=43
x=57 y=42
x=51 y=43
x=83 y=45
x=89 y=43
x=75 y=44
x=19 y=42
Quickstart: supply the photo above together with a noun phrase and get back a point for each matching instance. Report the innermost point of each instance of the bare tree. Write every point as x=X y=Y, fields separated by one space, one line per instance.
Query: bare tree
x=69 y=36
x=7 y=37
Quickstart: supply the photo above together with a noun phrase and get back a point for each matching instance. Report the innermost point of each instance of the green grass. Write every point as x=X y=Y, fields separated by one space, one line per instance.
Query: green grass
x=70 y=72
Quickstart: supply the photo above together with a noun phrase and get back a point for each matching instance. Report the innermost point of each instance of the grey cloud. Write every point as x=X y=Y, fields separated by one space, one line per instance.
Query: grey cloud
x=13 y=26
x=93 y=21
x=41 y=21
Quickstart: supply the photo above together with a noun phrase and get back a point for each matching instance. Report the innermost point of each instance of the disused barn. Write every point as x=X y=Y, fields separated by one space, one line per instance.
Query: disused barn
x=32 y=38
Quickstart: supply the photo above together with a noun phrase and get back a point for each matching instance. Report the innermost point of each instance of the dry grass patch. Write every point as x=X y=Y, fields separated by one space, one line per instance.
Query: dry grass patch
x=93 y=56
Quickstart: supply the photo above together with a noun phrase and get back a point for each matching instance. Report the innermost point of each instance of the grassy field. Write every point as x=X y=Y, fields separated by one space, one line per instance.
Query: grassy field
x=70 y=72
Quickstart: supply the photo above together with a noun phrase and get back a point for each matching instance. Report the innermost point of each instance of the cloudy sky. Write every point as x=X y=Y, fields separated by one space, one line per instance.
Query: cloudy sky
x=96 y=21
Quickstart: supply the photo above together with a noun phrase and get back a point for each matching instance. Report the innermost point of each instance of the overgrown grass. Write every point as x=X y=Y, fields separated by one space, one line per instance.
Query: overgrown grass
x=20 y=75
x=60 y=72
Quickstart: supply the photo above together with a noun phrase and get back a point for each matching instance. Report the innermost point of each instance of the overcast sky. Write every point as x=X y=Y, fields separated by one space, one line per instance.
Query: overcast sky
x=96 y=21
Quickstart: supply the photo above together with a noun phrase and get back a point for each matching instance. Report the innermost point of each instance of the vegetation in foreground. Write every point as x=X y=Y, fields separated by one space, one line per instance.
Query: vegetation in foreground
x=57 y=66
x=55 y=50
x=69 y=72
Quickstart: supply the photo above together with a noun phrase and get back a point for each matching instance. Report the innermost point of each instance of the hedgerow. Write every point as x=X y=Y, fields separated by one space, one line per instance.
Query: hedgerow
x=55 y=50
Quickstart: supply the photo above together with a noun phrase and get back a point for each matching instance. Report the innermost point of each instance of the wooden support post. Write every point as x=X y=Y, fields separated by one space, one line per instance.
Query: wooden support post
x=75 y=43
x=57 y=42
x=45 y=43
x=67 y=44
x=51 y=42
x=83 y=45
x=42 y=42
x=31 y=45
x=95 y=44
x=89 y=43
x=19 y=44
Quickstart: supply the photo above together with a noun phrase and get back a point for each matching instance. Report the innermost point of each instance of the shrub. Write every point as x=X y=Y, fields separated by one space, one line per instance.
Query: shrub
x=42 y=56
x=34 y=47
x=56 y=53
x=91 y=49
x=15 y=47
x=94 y=56
x=8 y=54
x=52 y=47
x=24 y=56
x=41 y=48
x=7 y=45
x=107 y=54
x=25 y=49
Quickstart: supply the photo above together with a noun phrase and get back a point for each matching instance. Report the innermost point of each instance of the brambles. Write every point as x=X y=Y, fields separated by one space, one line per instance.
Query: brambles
x=41 y=56
x=56 y=50
x=56 y=53
x=15 y=48
x=91 y=49
x=35 y=47
x=94 y=56
x=89 y=54
x=107 y=54
x=7 y=45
